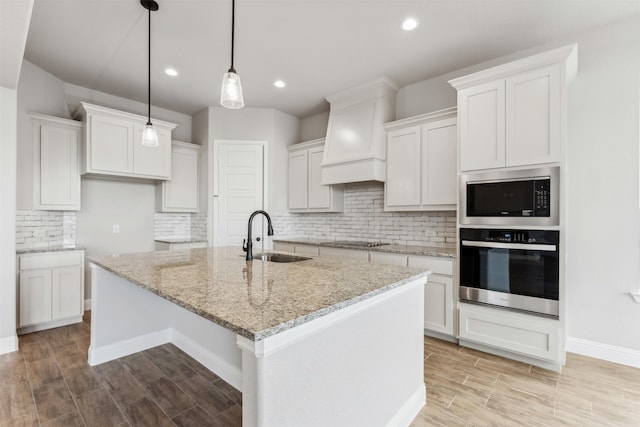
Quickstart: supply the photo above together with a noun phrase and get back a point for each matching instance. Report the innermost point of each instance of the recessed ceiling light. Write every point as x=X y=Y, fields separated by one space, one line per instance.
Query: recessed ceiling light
x=409 y=24
x=171 y=72
x=279 y=83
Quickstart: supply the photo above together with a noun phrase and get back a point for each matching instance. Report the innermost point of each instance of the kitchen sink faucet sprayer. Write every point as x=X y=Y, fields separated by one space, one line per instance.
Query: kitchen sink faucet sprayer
x=247 y=245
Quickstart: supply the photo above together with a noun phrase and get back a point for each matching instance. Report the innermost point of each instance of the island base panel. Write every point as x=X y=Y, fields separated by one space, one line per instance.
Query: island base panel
x=126 y=319
x=362 y=365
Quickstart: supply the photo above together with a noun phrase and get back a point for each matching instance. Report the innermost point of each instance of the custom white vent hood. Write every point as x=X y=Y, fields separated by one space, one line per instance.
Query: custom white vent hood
x=355 y=146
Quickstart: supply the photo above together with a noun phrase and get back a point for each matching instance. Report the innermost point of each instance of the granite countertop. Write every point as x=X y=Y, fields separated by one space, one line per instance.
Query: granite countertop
x=256 y=299
x=49 y=249
x=180 y=240
x=397 y=249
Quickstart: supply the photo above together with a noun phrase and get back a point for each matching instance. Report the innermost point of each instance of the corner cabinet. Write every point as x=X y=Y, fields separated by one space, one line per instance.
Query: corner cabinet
x=305 y=191
x=56 y=163
x=50 y=289
x=112 y=144
x=180 y=194
x=512 y=115
x=421 y=163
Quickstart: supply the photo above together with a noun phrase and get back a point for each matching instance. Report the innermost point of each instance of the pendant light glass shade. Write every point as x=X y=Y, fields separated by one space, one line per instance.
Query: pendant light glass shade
x=149 y=136
x=231 y=93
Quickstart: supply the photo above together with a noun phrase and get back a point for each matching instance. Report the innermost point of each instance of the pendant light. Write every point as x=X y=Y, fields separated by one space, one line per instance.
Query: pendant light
x=231 y=93
x=149 y=134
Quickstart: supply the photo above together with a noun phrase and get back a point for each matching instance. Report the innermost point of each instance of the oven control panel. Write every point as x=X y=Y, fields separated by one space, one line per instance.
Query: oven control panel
x=510 y=236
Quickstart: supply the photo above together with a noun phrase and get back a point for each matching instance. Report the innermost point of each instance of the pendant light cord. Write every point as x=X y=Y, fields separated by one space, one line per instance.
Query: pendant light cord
x=233 y=28
x=149 y=74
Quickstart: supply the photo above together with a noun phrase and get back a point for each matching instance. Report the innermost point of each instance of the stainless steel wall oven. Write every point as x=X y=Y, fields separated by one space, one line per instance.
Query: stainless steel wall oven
x=517 y=269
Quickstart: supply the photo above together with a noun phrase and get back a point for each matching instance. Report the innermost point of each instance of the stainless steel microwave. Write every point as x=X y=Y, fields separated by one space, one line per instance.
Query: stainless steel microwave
x=524 y=197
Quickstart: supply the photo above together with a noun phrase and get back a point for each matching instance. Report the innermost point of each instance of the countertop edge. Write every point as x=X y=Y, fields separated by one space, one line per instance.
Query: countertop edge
x=266 y=333
x=397 y=249
x=51 y=249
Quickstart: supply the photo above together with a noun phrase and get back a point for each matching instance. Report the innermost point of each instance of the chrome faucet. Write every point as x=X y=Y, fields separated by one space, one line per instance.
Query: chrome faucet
x=247 y=245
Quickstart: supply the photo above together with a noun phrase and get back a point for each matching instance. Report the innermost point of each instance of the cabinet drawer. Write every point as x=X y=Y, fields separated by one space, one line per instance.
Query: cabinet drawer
x=386 y=258
x=437 y=265
x=521 y=333
x=50 y=260
x=344 y=253
x=310 y=250
x=284 y=247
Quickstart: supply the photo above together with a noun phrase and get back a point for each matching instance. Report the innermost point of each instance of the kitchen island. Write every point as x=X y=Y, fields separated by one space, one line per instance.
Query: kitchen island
x=323 y=341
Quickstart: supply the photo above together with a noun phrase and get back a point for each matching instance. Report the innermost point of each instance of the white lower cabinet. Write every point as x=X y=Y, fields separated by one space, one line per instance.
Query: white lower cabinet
x=344 y=253
x=439 y=301
x=179 y=246
x=527 y=335
x=439 y=297
x=310 y=250
x=50 y=289
x=387 y=258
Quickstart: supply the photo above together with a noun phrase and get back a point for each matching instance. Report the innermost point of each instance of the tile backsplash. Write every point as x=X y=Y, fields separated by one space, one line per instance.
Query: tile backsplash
x=180 y=225
x=364 y=218
x=45 y=229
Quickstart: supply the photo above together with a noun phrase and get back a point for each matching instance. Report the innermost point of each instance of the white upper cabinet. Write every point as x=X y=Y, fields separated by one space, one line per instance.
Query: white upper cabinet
x=306 y=192
x=56 y=145
x=482 y=126
x=421 y=163
x=512 y=115
x=180 y=194
x=113 y=146
x=533 y=116
x=298 y=179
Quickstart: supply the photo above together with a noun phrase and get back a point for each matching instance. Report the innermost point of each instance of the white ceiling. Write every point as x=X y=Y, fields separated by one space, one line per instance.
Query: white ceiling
x=319 y=47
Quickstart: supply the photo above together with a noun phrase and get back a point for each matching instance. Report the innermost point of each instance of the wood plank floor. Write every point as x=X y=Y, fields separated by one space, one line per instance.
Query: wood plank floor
x=466 y=387
x=49 y=383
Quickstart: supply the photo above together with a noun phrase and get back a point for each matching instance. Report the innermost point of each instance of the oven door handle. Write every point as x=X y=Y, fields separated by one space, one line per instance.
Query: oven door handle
x=523 y=246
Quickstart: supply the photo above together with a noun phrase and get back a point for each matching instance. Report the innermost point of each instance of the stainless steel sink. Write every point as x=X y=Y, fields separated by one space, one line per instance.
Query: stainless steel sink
x=279 y=257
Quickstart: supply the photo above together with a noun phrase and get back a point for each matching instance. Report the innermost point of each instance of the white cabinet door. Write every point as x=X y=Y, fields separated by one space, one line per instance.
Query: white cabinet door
x=402 y=187
x=319 y=195
x=35 y=297
x=110 y=145
x=438 y=304
x=181 y=193
x=439 y=167
x=56 y=168
x=387 y=258
x=343 y=253
x=533 y=117
x=518 y=332
x=481 y=117
x=285 y=247
x=298 y=184
x=66 y=292
x=310 y=250
x=152 y=162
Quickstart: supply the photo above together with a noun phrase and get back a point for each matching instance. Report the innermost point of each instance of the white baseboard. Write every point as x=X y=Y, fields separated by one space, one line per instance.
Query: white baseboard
x=87 y=304
x=410 y=408
x=9 y=344
x=211 y=361
x=124 y=348
x=611 y=353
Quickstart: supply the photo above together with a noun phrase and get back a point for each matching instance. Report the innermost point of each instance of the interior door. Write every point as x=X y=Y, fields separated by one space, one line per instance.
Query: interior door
x=238 y=191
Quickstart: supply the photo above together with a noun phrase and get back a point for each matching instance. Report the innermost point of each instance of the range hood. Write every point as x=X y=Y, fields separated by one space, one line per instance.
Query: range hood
x=354 y=150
